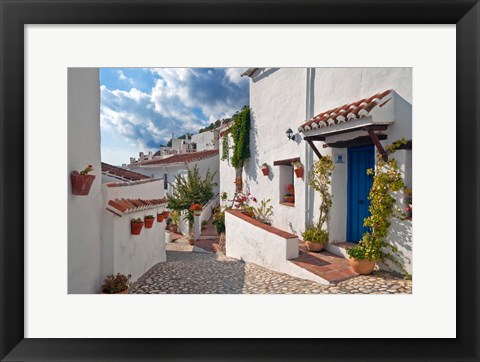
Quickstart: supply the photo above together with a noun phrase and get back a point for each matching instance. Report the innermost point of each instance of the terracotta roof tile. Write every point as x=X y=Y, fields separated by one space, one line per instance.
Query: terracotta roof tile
x=347 y=112
x=180 y=158
x=121 y=173
x=125 y=206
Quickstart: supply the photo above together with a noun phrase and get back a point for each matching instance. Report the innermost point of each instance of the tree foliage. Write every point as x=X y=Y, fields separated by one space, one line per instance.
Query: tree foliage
x=320 y=178
x=191 y=189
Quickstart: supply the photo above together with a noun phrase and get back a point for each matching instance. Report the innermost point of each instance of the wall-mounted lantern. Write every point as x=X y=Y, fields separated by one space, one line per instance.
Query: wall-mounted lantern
x=290 y=134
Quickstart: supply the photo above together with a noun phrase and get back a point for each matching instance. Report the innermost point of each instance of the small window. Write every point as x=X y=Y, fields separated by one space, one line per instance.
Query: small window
x=286 y=190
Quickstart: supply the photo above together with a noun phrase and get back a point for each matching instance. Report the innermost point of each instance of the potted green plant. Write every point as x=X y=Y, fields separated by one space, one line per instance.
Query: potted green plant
x=191 y=238
x=149 y=219
x=82 y=181
x=175 y=220
x=265 y=169
x=136 y=226
x=116 y=284
x=359 y=260
x=298 y=169
x=290 y=195
x=315 y=238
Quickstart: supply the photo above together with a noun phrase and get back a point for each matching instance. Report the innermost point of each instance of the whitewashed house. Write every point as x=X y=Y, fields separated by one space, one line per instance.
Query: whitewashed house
x=351 y=114
x=99 y=236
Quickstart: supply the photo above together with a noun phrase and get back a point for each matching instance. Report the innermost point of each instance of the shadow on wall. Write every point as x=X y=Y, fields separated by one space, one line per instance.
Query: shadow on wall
x=225 y=277
x=401 y=236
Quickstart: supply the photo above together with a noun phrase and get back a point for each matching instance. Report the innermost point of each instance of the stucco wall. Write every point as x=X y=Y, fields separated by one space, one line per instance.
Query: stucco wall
x=84 y=212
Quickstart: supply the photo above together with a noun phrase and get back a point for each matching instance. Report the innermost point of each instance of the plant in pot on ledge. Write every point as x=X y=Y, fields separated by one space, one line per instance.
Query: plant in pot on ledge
x=149 y=219
x=196 y=209
x=136 y=226
x=116 y=284
x=175 y=215
x=290 y=195
x=82 y=181
x=315 y=238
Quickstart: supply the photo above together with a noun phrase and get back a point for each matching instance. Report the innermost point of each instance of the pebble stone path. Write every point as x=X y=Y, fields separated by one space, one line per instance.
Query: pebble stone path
x=190 y=270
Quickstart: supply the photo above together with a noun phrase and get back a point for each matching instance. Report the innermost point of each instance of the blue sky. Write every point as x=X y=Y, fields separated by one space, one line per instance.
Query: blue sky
x=140 y=108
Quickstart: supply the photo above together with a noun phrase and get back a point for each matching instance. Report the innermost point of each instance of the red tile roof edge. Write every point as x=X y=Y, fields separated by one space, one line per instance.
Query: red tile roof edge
x=114 y=171
x=345 y=113
x=125 y=206
x=180 y=158
x=131 y=183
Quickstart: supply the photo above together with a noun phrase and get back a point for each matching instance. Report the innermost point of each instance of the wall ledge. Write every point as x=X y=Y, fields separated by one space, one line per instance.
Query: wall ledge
x=261 y=225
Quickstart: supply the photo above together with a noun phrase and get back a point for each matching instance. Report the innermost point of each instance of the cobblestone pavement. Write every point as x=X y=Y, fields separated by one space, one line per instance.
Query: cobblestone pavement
x=187 y=272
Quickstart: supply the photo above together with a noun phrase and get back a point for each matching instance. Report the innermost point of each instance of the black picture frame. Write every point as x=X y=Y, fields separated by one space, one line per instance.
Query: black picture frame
x=15 y=14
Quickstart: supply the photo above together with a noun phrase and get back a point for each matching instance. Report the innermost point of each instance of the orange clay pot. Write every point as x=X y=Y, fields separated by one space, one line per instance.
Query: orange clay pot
x=81 y=184
x=136 y=227
x=149 y=223
x=265 y=171
x=160 y=217
x=314 y=246
x=362 y=266
x=299 y=172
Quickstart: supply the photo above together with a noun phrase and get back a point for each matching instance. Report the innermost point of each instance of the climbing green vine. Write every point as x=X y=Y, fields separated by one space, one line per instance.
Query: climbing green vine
x=387 y=179
x=320 y=178
x=241 y=138
x=225 y=150
x=241 y=144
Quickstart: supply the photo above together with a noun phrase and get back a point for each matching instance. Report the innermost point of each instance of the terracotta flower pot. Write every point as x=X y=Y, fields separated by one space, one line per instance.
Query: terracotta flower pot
x=314 y=246
x=299 y=172
x=290 y=199
x=136 y=227
x=174 y=228
x=122 y=292
x=160 y=217
x=265 y=171
x=149 y=223
x=191 y=241
x=248 y=213
x=166 y=214
x=362 y=266
x=81 y=184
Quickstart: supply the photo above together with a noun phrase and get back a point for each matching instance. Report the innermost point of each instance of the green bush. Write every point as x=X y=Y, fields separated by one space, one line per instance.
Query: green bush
x=219 y=222
x=315 y=235
x=356 y=252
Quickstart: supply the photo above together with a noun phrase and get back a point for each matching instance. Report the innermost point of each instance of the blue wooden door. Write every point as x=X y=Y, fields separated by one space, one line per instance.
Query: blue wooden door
x=360 y=159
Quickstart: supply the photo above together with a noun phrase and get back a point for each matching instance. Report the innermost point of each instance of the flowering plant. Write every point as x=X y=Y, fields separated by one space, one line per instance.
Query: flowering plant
x=195 y=207
x=241 y=200
x=290 y=190
x=408 y=199
x=87 y=169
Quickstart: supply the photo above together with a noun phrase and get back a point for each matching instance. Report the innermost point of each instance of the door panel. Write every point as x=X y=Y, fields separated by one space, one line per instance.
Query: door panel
x=360 y=159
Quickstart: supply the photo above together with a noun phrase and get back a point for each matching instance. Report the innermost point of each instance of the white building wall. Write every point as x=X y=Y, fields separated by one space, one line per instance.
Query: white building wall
x=205 y=140
x=123 y=252
x=84 y=212
x=284 y=98
x=277 y=101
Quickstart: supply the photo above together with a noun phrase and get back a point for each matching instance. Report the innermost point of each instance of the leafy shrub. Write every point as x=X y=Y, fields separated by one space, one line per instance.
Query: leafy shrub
x=219 y=222
x=357 y=252
x=116 y=283
x=315 y=235
x=264 y=212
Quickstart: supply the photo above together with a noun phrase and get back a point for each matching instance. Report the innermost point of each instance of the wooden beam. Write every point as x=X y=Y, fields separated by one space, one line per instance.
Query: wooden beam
x=358 y=141
x=314 y=148
x=377 y=144
x=325 y=133
x=287 y=162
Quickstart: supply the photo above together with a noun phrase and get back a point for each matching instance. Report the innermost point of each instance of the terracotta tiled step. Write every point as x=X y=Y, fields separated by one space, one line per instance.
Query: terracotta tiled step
x=326 y=265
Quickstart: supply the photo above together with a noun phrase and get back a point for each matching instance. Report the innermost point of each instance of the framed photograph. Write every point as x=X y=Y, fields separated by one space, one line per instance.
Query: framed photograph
x=295 y=130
